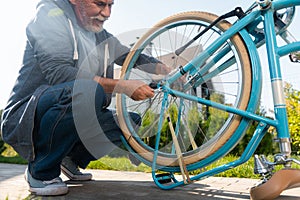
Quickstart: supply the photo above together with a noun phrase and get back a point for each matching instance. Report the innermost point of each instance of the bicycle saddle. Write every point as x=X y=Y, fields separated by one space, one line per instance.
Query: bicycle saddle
x=280 y=181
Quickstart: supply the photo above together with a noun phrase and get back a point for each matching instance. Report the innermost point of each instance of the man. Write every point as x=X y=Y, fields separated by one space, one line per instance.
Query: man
x=57 y=114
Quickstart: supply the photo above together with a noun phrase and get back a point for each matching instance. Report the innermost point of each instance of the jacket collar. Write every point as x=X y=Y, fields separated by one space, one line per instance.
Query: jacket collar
x=65 y=5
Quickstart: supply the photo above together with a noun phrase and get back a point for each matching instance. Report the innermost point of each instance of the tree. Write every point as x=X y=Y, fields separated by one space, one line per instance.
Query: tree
x=266 y=145
x=292 y=97
x=293 y=111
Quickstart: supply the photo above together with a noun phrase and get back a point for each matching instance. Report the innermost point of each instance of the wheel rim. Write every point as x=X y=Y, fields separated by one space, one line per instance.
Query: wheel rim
x=213 y=136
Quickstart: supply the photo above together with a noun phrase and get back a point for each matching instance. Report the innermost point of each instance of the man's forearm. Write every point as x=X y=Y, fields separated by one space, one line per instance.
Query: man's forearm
x=109 y=85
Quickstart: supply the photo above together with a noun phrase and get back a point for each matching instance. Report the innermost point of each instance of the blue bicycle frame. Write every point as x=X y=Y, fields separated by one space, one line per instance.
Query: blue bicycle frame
x=274 y=52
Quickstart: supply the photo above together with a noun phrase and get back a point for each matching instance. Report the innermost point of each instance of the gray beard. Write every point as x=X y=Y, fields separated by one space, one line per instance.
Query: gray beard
x=91 y=28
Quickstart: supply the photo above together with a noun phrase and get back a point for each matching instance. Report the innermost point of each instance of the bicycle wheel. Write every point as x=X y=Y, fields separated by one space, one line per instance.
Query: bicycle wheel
x=225 y=78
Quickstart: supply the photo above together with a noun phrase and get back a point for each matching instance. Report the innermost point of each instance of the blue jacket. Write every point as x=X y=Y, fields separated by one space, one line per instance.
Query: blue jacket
x=57 y=49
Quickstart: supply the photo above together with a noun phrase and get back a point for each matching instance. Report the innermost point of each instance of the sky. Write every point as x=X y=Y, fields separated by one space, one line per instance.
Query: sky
x=127 y=15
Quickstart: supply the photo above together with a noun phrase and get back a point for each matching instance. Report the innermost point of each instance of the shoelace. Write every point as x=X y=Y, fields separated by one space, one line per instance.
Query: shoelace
x=75 y=170
x=55 y=180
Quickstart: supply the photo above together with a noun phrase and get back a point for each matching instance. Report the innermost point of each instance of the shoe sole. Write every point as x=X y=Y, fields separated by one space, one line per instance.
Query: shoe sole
x=49 y=191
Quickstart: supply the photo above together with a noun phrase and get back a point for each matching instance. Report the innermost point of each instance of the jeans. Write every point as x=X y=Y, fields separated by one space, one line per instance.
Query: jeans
x=71 y=121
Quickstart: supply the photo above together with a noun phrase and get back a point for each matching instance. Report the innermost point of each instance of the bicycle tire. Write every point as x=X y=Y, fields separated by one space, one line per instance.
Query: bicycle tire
x=165 y=157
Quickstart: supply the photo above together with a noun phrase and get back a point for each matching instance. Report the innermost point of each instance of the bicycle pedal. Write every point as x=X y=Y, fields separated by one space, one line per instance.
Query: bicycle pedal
x=164 y=178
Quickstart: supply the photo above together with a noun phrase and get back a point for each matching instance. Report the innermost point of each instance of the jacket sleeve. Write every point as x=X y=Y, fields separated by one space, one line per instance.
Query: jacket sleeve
x=50 y=36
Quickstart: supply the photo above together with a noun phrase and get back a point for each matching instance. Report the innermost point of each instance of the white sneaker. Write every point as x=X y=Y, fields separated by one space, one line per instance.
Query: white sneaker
x=46 y=188
x=71 y=170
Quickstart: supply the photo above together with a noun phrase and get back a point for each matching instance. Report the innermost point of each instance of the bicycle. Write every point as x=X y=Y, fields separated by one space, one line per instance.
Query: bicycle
x=203 y=107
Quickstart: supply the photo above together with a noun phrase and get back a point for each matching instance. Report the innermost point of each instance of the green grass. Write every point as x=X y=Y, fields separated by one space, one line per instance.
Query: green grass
x=10 y=156
x=12 y=160
x=123 y=164
x=119 y=164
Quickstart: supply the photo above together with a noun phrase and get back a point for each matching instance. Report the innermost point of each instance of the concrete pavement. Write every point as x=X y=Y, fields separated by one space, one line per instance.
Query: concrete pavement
x=132 y=185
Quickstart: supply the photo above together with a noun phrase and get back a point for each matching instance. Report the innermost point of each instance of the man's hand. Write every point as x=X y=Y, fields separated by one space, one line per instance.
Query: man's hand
x=162 y=69
x=137 y=90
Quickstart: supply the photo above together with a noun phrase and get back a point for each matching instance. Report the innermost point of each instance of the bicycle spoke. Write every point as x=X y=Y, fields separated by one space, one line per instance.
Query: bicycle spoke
x=197 y=129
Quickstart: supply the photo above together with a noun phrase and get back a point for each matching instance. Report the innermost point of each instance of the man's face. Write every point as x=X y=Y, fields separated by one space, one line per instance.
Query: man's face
x=91 y=14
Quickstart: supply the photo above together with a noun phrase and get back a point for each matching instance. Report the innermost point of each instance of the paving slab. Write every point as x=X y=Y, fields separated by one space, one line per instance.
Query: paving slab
x=132 y=185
